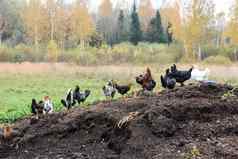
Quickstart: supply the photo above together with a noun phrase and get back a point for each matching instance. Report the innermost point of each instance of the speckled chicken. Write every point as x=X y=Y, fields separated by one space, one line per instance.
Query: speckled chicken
x=109 y=90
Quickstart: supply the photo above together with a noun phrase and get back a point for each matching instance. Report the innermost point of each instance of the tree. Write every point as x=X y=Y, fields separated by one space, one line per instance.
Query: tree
x=2 y=27
x=196 y=28
x=35 y=21
x=169 y=33
x=81 y=23
x=122 y=28
x=51 y=6
x=106 y=22
x=155 y=31
x=232 y=27
x=146 y=12
x=172 y=14
x=62 y=26
x=11 y=28
x=135 y=30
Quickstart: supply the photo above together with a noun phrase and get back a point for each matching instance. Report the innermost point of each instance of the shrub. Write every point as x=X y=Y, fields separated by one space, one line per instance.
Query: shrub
x=52 y=51
x=5 y=53
x=23 y=52
x=221 y=60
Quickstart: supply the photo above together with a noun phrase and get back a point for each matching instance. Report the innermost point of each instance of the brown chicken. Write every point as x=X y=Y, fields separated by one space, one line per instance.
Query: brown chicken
x=7 y=132
x=146 y=81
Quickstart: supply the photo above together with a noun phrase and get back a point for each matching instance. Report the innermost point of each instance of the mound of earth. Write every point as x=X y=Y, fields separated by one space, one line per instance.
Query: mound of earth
x=187 y=122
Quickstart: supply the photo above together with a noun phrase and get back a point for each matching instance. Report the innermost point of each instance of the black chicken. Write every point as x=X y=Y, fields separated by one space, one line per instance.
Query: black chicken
x=80 y=97
x=168 y=81
x=180 y=76
x=83 y=96
x=123 y=89
x=37 y=108
x=69 y=101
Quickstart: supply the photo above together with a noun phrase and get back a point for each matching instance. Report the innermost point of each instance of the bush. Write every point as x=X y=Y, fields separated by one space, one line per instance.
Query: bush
x=221 y=60
x=5 y=53
x=52 y=51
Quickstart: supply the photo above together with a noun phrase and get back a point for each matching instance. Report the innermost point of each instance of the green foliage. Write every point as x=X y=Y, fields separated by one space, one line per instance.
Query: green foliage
x=135 y=30
x=5 y=53
x=96 y=40
x=221 y=60
x=122 y=34
x=52 y=51
x=156 y=32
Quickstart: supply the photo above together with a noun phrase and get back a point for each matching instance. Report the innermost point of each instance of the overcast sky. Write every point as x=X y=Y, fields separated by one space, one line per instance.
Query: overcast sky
x=221 y=5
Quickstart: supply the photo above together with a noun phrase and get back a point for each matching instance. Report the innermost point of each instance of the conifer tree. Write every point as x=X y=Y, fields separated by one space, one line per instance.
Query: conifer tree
x=135 y=30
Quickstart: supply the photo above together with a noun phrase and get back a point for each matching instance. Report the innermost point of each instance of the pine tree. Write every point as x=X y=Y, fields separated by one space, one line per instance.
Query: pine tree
x=122 y=30
x=155 y=31
x=135 y=30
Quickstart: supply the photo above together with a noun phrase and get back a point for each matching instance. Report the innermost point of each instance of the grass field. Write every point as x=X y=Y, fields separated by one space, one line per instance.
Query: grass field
x=19 y=83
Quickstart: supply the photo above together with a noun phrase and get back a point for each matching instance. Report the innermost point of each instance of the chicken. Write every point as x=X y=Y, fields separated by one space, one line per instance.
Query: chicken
x=7 y=132
x=146 y=81
x=109 y=90
x=48 y=105
x=180 y=76
x=68 y=101
x=76 y=93
x=123 y=89
x=37 y=108
x=168 y=81
x=80 y=97
x=34 y=107
x=83 y=96
x=200 y=75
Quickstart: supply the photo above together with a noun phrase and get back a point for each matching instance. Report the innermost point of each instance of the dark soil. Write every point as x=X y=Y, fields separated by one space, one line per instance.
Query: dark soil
x=187 y=122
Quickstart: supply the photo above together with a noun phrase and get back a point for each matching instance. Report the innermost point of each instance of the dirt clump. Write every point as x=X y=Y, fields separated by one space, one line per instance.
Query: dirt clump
x=188 y=122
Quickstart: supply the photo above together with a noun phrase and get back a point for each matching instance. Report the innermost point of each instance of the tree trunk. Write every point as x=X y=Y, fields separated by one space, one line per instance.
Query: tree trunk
x=199 y=53
x=36 y=38
x=52 y=29
x=0 y=38
x=235 y=54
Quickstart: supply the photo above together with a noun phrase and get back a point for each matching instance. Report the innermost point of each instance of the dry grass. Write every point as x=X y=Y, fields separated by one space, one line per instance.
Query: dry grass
x=115 y=71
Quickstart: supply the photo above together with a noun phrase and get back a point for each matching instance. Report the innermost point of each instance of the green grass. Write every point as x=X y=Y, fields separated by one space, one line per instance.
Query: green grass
x=17 y=90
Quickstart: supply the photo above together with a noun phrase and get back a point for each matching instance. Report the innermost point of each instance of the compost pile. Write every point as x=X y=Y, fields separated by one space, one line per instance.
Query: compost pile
x=188 y=122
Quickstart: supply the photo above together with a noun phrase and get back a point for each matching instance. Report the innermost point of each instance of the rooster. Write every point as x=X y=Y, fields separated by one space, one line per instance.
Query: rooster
x=168 y=81
x=109 y=90
x=181 y=76
x=146 y=81
x=48 y=105
x=68 y=101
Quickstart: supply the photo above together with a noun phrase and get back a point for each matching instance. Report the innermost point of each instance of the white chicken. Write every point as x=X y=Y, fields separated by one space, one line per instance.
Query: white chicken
x=48 y=105
x=200 y=75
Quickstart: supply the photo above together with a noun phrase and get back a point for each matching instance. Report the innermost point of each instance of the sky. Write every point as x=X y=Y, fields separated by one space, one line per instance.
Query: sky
x=221 y=5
